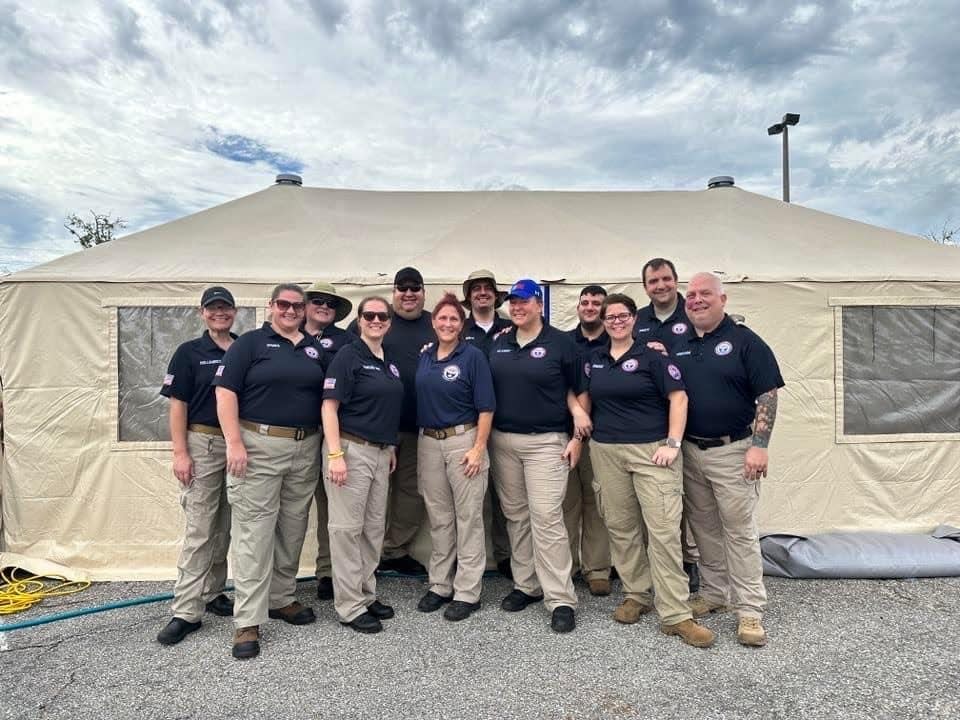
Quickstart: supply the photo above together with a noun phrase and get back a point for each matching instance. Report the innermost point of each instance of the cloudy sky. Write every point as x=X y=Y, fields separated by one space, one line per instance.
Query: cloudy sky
x=154 y=110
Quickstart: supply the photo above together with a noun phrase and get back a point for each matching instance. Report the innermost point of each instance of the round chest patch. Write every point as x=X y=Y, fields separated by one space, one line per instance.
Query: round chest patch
x=679 y=328
x=326 y=343
x=674 y=371
x=724 y=348
x=393 y=369
x=538 y=352
x=451 y=373
x=312 y=352
x=586 y=369
x=630 y=365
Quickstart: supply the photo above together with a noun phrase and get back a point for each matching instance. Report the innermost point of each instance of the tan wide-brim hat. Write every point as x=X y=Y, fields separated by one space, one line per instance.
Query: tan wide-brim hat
x=322 y=288
x=501 y=295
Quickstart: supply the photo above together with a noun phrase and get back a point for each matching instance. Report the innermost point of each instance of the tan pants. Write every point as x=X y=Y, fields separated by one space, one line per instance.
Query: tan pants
x=270 y=507
x=202 y=567
x=634 y=493
x=589 y=544
x=357 y=518
x=454 y=505
x=723 y=509
x=405 y=506
x=531 y=477
x=495 y=523
x=324 y=568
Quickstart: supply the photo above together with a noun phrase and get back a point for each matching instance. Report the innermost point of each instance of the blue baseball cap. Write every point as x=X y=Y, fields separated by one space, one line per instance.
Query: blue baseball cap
x=525 y=289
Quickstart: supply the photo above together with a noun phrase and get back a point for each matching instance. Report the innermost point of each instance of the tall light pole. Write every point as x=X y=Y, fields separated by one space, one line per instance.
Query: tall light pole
x=781 y=127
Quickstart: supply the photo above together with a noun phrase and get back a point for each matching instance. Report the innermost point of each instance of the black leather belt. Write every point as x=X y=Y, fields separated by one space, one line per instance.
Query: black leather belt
x=707 y=443
x=350 y=437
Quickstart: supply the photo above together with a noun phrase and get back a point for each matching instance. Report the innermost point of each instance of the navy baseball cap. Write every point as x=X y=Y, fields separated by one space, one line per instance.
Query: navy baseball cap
x=212 y=294
x=525 y=289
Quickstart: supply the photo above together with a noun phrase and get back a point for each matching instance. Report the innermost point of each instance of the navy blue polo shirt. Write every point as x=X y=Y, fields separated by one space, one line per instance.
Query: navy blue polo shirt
x=455 y=390
x=585 y=347
x=332 y=338
x=403 y=343
x=188 y=378
x=483 y=339
x=276 y=382
x=725 y=372
x=670 y=332
x=370 y=392
x=531 y=382
x=629 y=395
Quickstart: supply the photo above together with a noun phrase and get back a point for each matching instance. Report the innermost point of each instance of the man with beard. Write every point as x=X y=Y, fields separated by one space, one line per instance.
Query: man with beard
x=589 y=540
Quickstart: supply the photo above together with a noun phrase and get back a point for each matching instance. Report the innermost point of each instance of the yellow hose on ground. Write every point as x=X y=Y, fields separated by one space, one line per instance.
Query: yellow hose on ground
x=17 y=595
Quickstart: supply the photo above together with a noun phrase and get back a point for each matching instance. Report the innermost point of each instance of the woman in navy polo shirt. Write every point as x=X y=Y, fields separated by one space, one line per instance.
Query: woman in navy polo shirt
x=199 y=464
x=269 y=390
x=639 y=409
x=362 y=406
x=455 y=404
x=535 y=375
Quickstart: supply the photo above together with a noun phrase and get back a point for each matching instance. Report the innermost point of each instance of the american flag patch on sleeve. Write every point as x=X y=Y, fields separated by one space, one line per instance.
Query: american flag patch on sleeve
x=329 y=383
x=220 y=371
x=168 y=379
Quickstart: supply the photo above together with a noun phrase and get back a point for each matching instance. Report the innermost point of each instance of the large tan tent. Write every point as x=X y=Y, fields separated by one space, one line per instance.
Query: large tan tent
x=865 y=322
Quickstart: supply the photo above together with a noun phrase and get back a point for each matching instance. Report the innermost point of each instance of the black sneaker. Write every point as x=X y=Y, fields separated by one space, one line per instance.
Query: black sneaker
x=517 y=600
x=324 y=588
x=176 y=630
x=693 y=574
x=405 y=565
x=563 y=620
x=365 y=623
x=460 y=610
x=432 y=601
x=379 y=610
x=221 y=605
x=503 y=567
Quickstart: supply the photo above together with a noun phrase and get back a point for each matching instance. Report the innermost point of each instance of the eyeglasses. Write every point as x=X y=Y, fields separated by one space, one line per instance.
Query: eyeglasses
x=330 y=302
x=284 y=305
x=620 y=318
x=409 y=288
x=370 y=316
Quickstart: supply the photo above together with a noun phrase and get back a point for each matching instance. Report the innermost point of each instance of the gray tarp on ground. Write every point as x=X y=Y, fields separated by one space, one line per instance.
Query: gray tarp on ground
x=863 y=555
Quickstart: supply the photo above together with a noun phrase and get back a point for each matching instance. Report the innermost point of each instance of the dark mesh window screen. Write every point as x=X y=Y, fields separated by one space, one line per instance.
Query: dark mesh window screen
x=901 y=370
x=146 y=339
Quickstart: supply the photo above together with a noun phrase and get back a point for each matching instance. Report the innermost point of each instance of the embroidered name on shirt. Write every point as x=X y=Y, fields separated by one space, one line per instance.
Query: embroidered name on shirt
x=685 y=352
x=273 y=344
x=371 y=367
x=210 y=362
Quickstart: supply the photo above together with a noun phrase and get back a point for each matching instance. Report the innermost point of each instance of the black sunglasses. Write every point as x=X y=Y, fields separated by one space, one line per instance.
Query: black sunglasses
x=409 y=288
x=369 y=316
x=330 y=302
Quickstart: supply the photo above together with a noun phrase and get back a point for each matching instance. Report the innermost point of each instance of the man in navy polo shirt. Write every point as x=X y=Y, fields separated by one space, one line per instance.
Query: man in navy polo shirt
x=732 y=379
x=483 y=298
x=589 y=540
x=324 y=308
x=410 y=330
x=665 y=321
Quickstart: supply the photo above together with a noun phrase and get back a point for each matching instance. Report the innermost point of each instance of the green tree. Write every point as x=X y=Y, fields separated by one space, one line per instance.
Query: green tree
x=97 y=232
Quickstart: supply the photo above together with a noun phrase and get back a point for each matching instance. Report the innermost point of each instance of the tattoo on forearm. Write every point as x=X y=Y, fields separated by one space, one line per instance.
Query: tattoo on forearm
x=766 y=416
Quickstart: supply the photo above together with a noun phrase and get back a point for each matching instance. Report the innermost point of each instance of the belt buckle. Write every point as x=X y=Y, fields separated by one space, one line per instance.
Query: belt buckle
x=263 y=429
x=441 y=434
x=300 y=434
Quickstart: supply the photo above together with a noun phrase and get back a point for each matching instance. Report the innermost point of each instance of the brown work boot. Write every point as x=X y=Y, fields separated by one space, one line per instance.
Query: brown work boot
x=701 y=607
x=751 y=632
x=246 y=642
x=691 y=633
x=294 y=613
x=599 y=587
x=630 y=611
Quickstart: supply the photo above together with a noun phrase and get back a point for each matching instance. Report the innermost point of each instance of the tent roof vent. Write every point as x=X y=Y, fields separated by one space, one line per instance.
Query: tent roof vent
x=720 y=181
x=289 y=179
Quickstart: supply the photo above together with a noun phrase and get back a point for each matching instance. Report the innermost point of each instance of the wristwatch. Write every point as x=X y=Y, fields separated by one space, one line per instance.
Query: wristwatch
x=672 y=443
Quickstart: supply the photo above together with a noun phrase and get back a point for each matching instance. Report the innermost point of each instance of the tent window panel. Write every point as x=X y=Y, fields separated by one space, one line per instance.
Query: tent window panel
x=901 y=370
x=146 y=340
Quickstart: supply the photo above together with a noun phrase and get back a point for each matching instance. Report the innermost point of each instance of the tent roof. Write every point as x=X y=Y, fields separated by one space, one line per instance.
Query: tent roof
x=302 y=234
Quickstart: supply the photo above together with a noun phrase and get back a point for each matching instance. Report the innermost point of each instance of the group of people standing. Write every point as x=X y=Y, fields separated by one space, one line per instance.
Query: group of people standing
x=635 y=441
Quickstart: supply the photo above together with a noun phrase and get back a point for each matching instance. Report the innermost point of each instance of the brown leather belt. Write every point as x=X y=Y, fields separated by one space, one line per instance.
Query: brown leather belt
x=292 y=433
x=444 y=433
x=206 y=429
x=707 y=443
x=349 y=437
